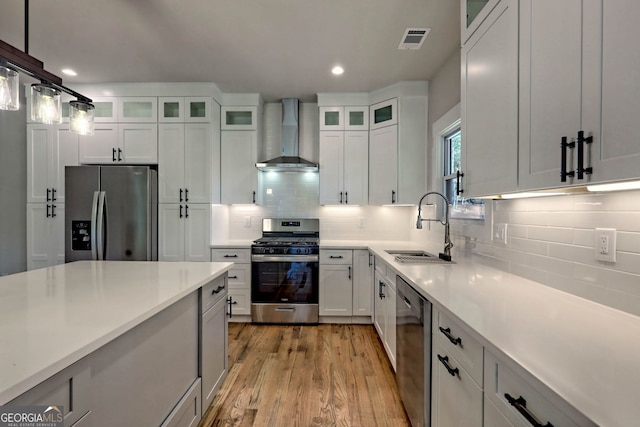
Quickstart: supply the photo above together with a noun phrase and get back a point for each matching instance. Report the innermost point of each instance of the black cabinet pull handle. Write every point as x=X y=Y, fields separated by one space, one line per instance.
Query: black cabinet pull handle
x=48 y=207
x=521 y=406
x=233 y=277
x=393 y=196
x=218 y=290
x=119 y=154
x=231 y=256
x=186 y=194
x=341 y=197
x=370 y=255
x=53 y=195
x=181 y=195
x=349 y=272
x=180 y=211
x=563 y=161
x=335 y=256
x=346 y=197
x=186 y=211
x=254 y=197
x=48 y=197
x=447 y=333
x=581 y=170
x=459 y=189
x=381 y=284
x=113 y=154
x=445 y=361
x=231 y=303
x=53 y=211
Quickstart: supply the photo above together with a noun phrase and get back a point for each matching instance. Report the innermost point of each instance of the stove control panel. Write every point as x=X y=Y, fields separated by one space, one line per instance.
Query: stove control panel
x=285 y=250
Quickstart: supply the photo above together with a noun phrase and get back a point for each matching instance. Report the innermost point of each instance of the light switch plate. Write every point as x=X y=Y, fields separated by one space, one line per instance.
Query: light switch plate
x=500 y=233
x=605 y=244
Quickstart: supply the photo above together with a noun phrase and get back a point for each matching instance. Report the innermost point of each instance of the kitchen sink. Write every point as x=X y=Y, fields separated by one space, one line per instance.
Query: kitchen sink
x=416 y=257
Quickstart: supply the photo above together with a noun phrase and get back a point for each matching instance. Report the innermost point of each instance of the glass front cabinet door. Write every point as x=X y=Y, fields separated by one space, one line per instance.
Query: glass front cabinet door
x=138 y=109
x=356 y=118
x=383 y=114
x=238 y=118
x=177 y=109
x=473 y=12
x=331 y=118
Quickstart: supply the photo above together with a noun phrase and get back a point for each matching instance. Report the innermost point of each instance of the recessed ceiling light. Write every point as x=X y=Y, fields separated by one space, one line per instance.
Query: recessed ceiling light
x=69 y=72
x=337 y=70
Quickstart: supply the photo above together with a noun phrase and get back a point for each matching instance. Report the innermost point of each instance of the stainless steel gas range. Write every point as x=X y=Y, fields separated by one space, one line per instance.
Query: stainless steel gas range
x=284 y=271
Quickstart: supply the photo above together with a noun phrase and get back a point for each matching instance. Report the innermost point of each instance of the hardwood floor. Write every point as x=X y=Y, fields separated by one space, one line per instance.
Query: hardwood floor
x=291 y=375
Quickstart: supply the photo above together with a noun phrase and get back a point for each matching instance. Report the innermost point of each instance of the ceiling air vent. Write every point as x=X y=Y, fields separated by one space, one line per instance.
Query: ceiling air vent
x=413 y=38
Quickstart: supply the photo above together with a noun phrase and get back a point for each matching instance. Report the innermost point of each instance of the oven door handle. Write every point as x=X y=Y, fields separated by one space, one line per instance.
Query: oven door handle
x=285 y=258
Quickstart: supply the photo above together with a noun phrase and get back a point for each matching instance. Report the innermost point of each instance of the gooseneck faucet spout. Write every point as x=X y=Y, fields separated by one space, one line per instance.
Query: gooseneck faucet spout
x=448 y=244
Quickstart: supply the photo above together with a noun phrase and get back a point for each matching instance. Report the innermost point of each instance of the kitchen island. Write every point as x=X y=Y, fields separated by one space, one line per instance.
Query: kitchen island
x=98 y=322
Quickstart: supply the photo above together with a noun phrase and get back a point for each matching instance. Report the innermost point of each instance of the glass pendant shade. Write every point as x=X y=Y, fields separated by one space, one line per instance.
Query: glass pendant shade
x=81 y=117
x=9 y=89
x=46 y=106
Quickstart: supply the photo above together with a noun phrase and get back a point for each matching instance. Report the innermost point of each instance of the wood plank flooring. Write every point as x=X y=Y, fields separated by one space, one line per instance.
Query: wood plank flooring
x=292 y=375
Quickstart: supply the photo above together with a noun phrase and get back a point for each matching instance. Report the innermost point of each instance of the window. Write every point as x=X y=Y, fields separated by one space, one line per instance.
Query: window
x=459 y=206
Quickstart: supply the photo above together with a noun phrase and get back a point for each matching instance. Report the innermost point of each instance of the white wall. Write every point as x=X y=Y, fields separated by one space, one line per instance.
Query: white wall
x=13 y=191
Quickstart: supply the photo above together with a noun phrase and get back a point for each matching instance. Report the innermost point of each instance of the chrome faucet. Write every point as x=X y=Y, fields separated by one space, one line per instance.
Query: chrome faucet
x=448 y=244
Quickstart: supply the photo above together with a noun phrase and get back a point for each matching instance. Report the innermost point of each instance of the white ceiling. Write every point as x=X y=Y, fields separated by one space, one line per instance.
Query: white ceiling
x=279 y=48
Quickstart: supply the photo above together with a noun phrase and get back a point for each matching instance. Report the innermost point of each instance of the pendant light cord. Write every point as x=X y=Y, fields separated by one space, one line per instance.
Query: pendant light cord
x=26 y=26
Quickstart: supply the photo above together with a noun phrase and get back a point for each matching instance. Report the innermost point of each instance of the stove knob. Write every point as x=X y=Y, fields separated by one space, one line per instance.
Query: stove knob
x=271 y=250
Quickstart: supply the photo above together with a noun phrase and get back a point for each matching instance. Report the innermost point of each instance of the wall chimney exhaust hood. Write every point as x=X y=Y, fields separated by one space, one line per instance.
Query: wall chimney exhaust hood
x=289 y=161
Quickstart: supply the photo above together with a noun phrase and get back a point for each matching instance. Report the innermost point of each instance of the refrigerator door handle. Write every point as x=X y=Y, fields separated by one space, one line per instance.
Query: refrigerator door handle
x=102 y=214
x=94 y=225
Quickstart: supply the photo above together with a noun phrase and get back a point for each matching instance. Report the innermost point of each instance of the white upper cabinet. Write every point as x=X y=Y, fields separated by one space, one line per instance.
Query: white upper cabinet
x=550 y=97
x=331 y=118
x=239 y=118
x=137 y=109
x=383 y=166
x=239 y=178
x=344 y=167
x=356 y=118
x=383 y=114
x=49 y=149
x=489 y=106
x=126 y=143
x=176 y=109
x=611 y=34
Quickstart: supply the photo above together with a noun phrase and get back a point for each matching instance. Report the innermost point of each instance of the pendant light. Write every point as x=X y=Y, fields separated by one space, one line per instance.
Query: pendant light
x=46 y=105
x=82 y=117
x=9 y=91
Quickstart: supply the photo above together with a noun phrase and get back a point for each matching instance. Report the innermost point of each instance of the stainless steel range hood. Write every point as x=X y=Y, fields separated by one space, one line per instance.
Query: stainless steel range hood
x=289 y=161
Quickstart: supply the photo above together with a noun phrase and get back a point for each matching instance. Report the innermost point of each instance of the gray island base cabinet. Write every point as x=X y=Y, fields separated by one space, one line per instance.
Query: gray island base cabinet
x=158 y=373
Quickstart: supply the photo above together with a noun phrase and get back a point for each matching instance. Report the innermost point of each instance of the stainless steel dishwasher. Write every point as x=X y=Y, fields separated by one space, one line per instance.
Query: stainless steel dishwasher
x=413 y=353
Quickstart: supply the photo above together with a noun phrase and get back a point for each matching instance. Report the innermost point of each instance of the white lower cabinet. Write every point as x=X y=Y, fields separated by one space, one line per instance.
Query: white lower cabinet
x=45 y=235
x=385 y=309
x=188 y=412
x=456 y=397
x=239 y=281
x=184 y=232
x=213 y=339
x=336 y=282
x=362 y=289
x=522 y=400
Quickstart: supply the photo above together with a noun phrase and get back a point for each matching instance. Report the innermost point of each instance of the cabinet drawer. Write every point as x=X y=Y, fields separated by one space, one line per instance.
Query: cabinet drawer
x=457 y=398
x=460 y=344
x=241 y=302
x=213 y=292
x=336 y=256
x=188 y=411
x=504 y=384
x=240 y=276
x=231 y=255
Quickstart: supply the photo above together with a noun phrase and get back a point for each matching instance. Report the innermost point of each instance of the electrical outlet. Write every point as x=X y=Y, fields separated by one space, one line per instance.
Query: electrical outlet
x=247 y=221
x=362 y=222
x=605 y=244
x=500 y=233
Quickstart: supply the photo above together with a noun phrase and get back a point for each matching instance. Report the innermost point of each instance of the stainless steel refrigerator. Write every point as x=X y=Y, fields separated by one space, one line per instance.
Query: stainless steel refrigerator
x=111 y=213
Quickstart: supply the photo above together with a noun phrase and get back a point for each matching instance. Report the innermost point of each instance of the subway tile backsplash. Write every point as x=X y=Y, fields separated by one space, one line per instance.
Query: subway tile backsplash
x=551 y=240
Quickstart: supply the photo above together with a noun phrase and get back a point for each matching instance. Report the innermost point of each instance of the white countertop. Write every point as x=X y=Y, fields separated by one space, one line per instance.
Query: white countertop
x=587 y=353
x=52 y=317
